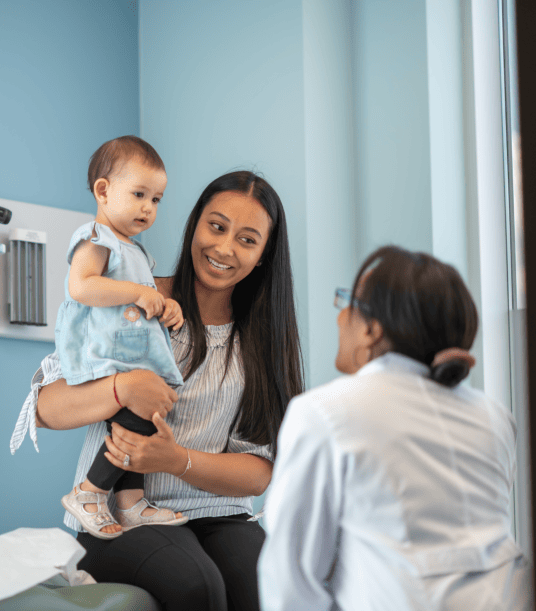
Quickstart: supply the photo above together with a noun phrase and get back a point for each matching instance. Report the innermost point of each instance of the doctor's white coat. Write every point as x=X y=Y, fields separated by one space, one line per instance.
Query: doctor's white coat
x=391 y=493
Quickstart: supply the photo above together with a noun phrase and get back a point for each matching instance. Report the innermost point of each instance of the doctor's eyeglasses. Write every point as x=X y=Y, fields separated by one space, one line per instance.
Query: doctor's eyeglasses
x=343 y=297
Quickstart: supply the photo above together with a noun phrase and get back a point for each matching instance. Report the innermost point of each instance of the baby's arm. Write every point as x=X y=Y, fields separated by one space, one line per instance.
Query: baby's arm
x=87 y=285
x=172 y=315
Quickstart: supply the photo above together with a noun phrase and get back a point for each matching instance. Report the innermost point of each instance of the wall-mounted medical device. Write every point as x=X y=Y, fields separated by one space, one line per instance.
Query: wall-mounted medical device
x=27 y=277
x=37 y=224
x=5 y=215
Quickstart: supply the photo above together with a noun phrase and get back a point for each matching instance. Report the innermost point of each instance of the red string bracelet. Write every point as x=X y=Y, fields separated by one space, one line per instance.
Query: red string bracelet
x=115 y=391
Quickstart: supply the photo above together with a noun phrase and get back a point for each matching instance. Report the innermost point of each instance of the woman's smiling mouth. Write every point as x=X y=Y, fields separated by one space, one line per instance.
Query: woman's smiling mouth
x=218 y=266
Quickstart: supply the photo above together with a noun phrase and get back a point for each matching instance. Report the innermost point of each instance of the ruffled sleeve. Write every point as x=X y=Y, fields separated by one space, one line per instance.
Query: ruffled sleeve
x=105 y=237
x=239 y=446
x=49 y=372
x=150 y=258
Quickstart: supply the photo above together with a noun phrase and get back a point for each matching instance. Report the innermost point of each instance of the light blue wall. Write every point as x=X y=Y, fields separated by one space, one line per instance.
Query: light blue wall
x=222 y=88
x=331 y=100
x=447 y=159
x=392 y=124
x=69 y=81
x=332 y=231
x=263 y=86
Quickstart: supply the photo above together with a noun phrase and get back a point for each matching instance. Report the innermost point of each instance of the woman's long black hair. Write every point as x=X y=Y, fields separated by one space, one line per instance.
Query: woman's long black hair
x=422 y=304
x=264 y=316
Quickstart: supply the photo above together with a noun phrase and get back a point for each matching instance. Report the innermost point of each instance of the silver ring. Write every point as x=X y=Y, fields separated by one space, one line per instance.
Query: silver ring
x=126 y=461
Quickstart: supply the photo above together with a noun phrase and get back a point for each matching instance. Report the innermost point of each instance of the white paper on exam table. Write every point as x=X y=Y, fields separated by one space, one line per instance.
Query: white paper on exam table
x=29 y=556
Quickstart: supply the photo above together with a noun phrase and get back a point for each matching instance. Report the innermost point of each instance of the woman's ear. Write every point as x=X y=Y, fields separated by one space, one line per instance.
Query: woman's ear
x=100 y=190
x=375 y=331
x=379 y=343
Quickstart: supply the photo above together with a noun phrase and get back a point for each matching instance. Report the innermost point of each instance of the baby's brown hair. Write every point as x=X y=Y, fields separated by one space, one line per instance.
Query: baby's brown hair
x=104 y=160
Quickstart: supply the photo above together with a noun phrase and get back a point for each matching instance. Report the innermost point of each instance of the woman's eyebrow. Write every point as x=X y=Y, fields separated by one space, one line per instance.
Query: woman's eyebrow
x=252 y=229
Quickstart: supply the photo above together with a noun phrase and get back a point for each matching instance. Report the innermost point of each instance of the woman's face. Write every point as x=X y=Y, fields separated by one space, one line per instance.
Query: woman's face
x=229 y=240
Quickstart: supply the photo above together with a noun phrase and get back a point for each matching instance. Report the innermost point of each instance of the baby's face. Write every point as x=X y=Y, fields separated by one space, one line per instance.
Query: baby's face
x=132 y=197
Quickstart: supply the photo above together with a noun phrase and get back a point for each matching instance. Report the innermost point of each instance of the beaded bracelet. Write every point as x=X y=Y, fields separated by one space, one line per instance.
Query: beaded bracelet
x=115 y=392
x=188 y=464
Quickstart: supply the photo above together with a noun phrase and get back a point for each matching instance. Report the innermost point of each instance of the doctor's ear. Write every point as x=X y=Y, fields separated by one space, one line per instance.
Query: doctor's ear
x=100 y=190
x=379 y=343
x=375 y=331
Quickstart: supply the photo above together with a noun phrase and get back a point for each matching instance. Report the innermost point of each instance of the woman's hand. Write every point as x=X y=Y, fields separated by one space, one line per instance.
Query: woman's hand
x=226 y=474
x=157 y=453
x=145 y=393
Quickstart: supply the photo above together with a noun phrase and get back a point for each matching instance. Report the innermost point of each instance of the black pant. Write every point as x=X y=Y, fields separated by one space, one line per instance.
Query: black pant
x=209 y=564
x=102 y=473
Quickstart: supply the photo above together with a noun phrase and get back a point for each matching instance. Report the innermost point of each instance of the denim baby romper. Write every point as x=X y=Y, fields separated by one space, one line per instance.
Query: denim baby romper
x=97 y=342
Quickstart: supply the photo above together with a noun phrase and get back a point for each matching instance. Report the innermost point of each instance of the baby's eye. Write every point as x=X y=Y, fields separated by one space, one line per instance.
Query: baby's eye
x=138 y=194
x=156 y=200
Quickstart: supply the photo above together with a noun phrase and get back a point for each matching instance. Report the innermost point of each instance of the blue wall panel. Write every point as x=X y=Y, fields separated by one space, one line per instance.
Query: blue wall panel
x=68 y=82
x=222 y=89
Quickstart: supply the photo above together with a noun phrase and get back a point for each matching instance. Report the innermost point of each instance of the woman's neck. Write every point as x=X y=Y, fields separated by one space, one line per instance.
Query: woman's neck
x=214 y=306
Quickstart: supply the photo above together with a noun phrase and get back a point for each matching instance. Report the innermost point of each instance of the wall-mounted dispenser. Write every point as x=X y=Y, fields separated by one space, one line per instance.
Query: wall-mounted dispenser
x=36 y=224
x=27 y=277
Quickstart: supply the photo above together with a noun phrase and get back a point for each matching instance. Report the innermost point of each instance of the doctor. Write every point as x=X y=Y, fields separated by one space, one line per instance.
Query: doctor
x=392 y=485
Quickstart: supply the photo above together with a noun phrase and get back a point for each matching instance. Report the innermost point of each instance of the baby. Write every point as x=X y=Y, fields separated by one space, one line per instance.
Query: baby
x=108 y=322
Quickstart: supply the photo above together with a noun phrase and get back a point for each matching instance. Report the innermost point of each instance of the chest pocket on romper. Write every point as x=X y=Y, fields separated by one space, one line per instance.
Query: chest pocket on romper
x=131 y=345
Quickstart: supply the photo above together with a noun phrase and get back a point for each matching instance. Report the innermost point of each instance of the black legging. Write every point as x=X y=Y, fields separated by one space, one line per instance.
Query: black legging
x=103 y=473
x=209 y=564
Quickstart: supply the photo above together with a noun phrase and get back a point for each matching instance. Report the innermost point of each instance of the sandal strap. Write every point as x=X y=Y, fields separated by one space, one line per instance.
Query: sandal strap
x=85 y=496
x=139 y=507
x=91 y=497
x=102 y=516
x=129 y=518
x=103 y=519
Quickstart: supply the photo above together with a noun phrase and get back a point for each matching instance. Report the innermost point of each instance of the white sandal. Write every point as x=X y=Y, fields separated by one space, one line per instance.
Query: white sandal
x=132 y=518
x=93 y=522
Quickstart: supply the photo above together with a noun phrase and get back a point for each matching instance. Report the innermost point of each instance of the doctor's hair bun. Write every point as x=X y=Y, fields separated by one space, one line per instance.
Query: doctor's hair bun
x=450 y=373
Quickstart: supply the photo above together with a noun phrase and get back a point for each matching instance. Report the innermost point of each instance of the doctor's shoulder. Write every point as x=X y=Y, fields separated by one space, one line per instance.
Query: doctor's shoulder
x=349 y=397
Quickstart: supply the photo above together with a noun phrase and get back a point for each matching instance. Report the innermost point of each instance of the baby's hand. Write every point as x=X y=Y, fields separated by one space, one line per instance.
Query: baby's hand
x=151 y=301
x=172 y=315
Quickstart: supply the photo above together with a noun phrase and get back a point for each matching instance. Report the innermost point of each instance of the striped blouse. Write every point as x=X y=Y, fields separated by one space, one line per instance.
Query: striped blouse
x=200 y=420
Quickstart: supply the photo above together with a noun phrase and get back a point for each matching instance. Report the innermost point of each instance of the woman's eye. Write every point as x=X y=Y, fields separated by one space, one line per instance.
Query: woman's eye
x=217 y=226
x=248 y=240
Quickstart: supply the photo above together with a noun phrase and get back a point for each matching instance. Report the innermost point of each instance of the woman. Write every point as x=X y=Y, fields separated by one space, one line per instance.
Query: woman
x=240 y=358
x=392 y=485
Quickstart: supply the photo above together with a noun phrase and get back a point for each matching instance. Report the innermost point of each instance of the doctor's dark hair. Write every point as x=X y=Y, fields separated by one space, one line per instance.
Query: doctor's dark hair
x=105 y=159
x=423 y=306
x=264 y=317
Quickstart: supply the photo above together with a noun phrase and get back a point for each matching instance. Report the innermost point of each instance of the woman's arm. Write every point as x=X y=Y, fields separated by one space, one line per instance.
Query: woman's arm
x=225 y=474
x=163 y=285
x=61 y=406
